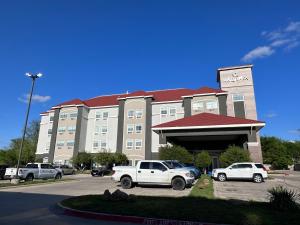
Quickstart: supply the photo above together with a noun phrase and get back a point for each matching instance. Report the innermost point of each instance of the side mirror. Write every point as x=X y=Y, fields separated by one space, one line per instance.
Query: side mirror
x=230 y=168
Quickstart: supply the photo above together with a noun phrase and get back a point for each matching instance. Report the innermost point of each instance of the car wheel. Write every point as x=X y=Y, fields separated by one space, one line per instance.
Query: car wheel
x=29 y=177
x=222 y=177
x=58 y=176
x=257 y=178
x=178 y=184
x=126 y=182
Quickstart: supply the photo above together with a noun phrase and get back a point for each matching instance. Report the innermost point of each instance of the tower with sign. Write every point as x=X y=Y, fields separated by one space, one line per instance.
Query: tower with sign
x=238 y=82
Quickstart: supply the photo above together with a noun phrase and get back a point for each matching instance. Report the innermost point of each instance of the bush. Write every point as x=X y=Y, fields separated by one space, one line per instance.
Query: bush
x=234 y=154
x=120 y=159
x=175 y=152
x=203 y=159
x=83 y=160
x=283 y=199
x=104 y=158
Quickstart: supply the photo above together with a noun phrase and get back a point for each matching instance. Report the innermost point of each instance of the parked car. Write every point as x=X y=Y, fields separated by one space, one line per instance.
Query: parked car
x=2 y=171
x=100 y=171
x=35 y=171
x=176 y=164
x=153 y=172
x=65 y=169
x=247 y=170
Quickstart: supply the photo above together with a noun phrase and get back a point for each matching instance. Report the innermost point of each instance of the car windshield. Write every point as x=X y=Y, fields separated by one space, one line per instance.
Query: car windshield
x=177 y=165
x=167 y=164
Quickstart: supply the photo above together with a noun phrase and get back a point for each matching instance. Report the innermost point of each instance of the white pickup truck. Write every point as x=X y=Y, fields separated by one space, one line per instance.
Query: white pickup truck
x=153 y=172
x=35 y=171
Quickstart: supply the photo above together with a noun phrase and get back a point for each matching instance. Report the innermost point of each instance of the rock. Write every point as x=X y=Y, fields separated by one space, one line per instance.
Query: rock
x=106 y=195
x=119 y=196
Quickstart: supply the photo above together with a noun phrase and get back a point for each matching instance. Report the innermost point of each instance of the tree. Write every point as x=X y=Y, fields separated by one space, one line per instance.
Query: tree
x=104 y=158
x=120 y=159
x=234 y=154
x=203 y=160
x=82 y=160
x=175 y=152
x=276 y=153
x=32 y=132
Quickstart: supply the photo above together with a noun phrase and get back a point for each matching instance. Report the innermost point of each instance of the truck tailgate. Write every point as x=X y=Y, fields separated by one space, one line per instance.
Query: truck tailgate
x=10 y=171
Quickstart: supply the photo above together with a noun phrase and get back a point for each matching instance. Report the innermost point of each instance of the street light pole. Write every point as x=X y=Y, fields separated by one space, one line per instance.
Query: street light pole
x=33 y=77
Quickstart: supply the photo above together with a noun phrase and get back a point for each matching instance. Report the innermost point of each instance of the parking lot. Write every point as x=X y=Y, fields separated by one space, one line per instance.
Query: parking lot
x=243 y=190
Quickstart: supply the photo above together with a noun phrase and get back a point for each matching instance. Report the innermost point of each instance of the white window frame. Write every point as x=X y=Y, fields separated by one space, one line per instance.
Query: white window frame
x=61 y=129
x=60 y=143
x=130 y=116
x=105 y=117
x=172 y=114
x=63 y=116
x=215 y=103
x=136 y=125
x=97 y=129
x=164 y=109
x=139 y=114
x=101 y=147
x=138 y=147
x=70 y=143
x=127 y=146
x=71 y=129
x=72 y=117
x=98 y=114
x=198 y=109
x=239 y=94
x=104 y=131
x=96 y=142
x=130 y=126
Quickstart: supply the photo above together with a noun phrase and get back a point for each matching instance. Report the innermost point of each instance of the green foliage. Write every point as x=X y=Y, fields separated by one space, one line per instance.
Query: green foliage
x=120 y=159
x=175 y=152
x=203 y=159
x=275 y=152
x=283 y=199
x=104 y=158
x=234 y=154
x=83 y=160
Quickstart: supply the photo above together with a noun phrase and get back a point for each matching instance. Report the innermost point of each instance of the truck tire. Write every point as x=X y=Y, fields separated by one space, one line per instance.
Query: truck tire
x=126 y=182
x=29 y=177
x=178 y=184
x=58 y=176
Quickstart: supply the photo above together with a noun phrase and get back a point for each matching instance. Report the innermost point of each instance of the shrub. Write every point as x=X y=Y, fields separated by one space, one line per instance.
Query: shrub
x=234 y=154
x=203 y=159
x=104 y=158
x=252 y=219
x=175 y=152
x=83 y=160
x=120 y=159
x=283 y=199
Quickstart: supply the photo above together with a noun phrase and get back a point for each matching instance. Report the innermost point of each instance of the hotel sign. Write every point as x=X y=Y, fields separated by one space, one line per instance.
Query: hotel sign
x=235 y=78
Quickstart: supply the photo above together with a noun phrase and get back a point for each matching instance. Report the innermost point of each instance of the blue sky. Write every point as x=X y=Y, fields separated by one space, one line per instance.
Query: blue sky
x=90 y=48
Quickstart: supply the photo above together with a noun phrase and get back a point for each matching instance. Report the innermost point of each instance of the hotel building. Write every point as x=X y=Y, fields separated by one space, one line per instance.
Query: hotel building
x=138 y=123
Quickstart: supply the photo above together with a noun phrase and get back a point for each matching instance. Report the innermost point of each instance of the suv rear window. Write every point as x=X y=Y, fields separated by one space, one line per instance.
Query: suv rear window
x=259 y=166
x=145 y=165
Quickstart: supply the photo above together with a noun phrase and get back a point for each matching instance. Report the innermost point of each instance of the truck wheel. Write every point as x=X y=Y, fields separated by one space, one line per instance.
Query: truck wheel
x=126 y=182
x=178 y=184
x=29 y=177
x=222 y=177
x=58 y=176
x=257 y=178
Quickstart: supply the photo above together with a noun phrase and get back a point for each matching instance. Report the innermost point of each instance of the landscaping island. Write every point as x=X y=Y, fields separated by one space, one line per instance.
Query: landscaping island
x=200 y=206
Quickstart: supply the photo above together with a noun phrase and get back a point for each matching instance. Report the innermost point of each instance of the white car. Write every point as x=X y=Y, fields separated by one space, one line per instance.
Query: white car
x=153 y=172
x=35 y=171
x=245 y=170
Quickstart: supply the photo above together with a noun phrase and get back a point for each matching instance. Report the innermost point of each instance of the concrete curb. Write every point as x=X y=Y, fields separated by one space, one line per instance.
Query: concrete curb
x=37 y=184
x=126 y=219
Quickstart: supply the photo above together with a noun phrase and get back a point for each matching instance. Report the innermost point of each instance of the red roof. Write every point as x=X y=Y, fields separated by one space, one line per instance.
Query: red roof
x=158 y=96
x=207 y=120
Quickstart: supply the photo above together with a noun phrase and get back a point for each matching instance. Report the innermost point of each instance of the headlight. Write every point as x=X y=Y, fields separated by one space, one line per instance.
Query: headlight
x=189 y=175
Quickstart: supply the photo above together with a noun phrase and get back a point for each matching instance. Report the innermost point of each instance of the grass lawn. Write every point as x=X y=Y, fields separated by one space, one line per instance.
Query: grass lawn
x=23 y=183
x=199 y=206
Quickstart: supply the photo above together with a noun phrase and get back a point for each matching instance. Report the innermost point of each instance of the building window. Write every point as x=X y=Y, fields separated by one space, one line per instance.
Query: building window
x=163 y=112
x=103 y=145
x=97 y=129
x=129 y=144
x=138 y=128
x=130 y=128
x=70 y=143
x=130 y=114
x=104 y=129
x=63 y=116
x=198 y=106
x=105 y=115
x=237 y=97
x=96 y=144
x=98 y=115
x=61 y=129
x=211 y=105
x=60 y=143
x=72 y=129
x=51 y=118
x=172 y=111
x=50 y=131
x=138 y=114
x=138 y=144
x=73 y=116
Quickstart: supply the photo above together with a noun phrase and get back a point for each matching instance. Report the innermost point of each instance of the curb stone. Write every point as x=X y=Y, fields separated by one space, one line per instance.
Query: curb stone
x=126 y=219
